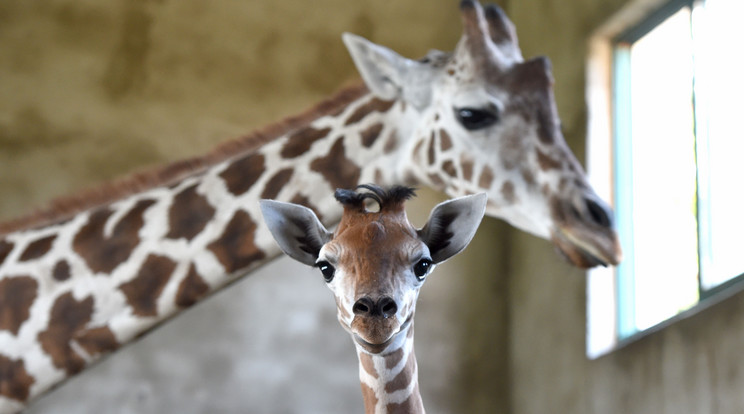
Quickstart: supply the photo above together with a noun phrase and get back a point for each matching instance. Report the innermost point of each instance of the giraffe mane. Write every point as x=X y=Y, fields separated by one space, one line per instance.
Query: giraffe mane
x=63 y=208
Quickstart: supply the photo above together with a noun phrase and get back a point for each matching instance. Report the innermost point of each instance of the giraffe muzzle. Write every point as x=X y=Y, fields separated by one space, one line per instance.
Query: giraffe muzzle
x=376 y=333
x=584 y=232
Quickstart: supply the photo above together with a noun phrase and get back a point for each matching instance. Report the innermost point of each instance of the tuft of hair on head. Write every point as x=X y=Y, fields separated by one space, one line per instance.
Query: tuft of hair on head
x=391 y=198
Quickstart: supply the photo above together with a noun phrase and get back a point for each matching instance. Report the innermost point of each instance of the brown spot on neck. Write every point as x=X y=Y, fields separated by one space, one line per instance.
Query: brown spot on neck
x=5 y=248
x=546 y=163
x=374 y=105
x=367 y=364
x=412 y=404
x=392 y=359
x=143 y=291
x=189 y=214
x=436 y=181
x=15 y=382
x=507 y=191
x=486 y=178
x=418 y=154
x=61 y=271
x=235 y=248
x=104 y=253
x=370 y=135
x=17 y=294
x=379 y=177
x=467 y=168
x=392 y=142
x=445 y=142
x=276 y=183
x=405 y=377
x=432 y=152
x=97 y=340
x=528 y=176
x=300 y=142
x=242 y=173
x=68 y=316
x=37 y=248
x=370 y=399
x=191 y=289
x=449 y=168
x=335 y=167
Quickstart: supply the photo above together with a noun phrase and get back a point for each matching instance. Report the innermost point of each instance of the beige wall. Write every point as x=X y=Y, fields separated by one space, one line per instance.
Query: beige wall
x=91 y=90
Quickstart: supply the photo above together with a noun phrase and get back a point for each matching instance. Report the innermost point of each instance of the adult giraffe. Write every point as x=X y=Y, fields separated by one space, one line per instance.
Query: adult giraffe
x=80 y=280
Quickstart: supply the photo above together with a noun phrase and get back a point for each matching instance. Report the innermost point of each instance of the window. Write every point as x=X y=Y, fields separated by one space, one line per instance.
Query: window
x=664 y=99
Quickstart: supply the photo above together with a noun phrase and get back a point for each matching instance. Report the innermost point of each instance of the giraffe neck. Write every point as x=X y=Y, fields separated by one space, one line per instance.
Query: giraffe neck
x=389 y=380
x=77 y=289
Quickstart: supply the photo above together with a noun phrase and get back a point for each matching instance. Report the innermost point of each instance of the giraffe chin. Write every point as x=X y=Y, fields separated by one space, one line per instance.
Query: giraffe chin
x=376 y=340
x=585 y=251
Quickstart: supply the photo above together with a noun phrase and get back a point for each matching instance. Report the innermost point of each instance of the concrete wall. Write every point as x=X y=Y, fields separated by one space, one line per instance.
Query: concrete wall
x=91 y=90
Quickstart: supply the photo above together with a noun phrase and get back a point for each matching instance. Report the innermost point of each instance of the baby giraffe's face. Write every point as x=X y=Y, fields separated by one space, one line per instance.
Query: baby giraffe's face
x=376 y=261
x=375 y=268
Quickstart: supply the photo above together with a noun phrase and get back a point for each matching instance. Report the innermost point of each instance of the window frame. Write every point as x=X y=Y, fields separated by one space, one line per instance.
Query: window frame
x=622 y=148
x=610 y=293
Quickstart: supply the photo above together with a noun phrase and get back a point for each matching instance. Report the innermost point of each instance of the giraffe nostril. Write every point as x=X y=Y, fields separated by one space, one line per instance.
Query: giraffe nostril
x=599 y=213
x=363 y=306
x=387 y=307
x=384 y=307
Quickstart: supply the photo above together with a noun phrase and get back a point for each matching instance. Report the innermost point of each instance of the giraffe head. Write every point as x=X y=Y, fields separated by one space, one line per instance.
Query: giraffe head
x=486 y=120
x=376 y=261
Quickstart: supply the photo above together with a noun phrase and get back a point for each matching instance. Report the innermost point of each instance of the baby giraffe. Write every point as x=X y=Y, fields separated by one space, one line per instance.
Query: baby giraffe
x=375 y=264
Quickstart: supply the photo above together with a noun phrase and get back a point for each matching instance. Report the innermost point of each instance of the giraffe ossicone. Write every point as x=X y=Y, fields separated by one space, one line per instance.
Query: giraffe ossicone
x=94 y=272
x=375 y=264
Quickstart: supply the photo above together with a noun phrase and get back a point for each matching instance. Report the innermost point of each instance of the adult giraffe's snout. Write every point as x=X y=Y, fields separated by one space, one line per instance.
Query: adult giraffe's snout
x=584 y=230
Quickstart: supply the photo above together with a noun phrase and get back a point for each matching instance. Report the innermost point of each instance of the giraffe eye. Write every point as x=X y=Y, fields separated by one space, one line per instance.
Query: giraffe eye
x=474 y=118
x=327 y=270
x=421 y=268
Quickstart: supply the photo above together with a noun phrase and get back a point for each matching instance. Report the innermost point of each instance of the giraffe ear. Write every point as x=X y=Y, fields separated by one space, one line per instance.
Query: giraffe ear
x=389 y=75
x=296 y=229
x=452 y=225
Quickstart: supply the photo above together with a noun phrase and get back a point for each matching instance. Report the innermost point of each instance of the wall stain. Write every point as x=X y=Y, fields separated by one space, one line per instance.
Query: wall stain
x=126 y=71
x=321 y=77
x=79 y=22
x=30 y=129
x=260 y=76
